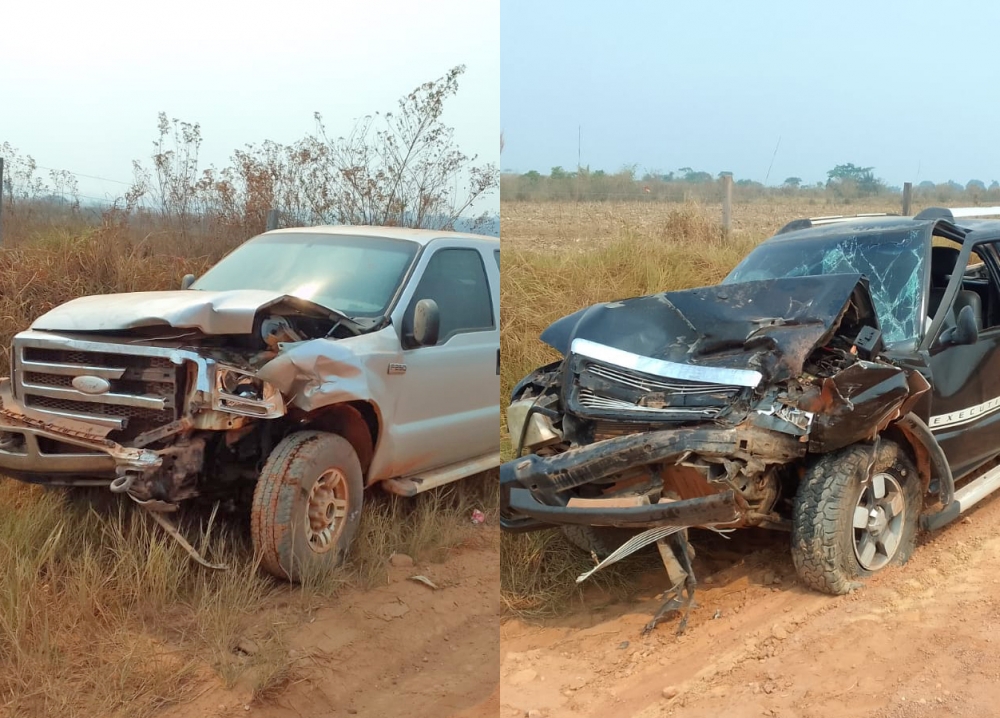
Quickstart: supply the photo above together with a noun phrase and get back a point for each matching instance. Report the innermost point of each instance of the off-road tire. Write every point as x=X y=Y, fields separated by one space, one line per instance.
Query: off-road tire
x=278 y=521
x=823 y=548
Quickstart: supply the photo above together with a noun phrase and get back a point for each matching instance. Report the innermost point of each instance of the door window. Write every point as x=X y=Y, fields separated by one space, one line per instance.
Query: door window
x=456 y=280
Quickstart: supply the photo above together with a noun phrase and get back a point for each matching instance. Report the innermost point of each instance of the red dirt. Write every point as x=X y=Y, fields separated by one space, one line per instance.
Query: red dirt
x=919 y=640
x=399 y=650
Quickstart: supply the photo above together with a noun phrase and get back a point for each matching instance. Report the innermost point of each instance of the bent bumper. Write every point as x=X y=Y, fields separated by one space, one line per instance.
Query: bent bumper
x=36 y=451
x=531 y=486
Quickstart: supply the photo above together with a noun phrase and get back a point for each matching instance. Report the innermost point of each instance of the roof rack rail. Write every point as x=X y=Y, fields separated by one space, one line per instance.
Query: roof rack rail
x=952 y=213
x=832 y=219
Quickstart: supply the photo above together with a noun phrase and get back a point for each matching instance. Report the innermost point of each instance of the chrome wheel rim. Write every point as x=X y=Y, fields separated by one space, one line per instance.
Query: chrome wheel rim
x=326 y=509
x=878 y=521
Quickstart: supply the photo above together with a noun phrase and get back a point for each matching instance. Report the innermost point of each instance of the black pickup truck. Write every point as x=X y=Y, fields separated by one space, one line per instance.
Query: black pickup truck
x=841 y=383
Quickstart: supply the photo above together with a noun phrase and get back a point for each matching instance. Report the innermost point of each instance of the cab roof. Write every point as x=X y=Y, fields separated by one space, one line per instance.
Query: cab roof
x=420 y=236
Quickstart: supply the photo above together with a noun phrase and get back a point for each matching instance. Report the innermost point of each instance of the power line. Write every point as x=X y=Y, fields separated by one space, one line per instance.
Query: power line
x=81 y=174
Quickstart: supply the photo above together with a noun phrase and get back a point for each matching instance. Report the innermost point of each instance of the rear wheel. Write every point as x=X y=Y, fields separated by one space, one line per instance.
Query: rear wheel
x=307 y=504
x=854 y=516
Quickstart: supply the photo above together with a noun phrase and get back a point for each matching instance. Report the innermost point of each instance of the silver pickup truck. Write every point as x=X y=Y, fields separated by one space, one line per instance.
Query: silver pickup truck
x=306 y=366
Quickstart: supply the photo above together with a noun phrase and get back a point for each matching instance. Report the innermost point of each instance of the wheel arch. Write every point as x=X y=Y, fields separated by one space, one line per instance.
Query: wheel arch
x=913 y=434
x=357 y=421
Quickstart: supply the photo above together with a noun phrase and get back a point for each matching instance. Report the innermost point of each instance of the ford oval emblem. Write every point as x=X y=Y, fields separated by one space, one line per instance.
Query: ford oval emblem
x=91 y=385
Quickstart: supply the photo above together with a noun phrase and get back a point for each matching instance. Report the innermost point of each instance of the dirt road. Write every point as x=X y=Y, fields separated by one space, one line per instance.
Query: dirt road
x=398 y=651
x=921 y=640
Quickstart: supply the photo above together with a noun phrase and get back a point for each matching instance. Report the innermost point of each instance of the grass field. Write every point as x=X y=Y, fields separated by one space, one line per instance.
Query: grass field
x=561 y=256
x=101 y=613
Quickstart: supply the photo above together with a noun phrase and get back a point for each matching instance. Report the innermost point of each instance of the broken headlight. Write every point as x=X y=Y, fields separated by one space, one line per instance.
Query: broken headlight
x=539 y=430
x=241 y=392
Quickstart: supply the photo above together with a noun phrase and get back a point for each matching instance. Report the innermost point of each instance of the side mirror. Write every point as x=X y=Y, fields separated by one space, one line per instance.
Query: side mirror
x=187 y=281
x=965 y=331
x=426 y=323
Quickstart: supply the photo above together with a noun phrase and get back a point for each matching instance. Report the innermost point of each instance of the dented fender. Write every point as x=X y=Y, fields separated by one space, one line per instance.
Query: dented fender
x=316 y=373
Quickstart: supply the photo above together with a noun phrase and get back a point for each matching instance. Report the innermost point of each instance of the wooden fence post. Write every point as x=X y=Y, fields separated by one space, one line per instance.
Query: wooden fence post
x=907 y=198
x=272 y=219
x=727 y=203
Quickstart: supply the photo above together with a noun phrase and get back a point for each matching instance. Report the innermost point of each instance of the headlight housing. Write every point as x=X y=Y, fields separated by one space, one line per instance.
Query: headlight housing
x=240 y=392
x=540 y=430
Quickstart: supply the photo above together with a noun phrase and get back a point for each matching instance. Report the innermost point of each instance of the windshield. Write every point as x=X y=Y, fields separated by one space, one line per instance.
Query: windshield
x=357 y=276
x=892 y=261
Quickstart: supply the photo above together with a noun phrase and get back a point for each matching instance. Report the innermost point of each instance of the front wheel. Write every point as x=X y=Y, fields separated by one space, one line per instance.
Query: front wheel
x=855 y=514
x=307 y=504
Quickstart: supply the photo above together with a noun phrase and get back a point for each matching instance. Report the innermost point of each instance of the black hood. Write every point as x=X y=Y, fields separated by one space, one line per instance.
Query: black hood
x=771 y=326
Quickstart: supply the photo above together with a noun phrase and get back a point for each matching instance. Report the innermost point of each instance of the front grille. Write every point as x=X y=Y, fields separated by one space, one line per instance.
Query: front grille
x=145 y=389
x=603 y=390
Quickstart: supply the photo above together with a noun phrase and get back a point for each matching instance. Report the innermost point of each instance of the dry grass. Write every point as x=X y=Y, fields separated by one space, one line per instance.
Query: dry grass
x=560 y=257
x=103 y=614
x=560 y=226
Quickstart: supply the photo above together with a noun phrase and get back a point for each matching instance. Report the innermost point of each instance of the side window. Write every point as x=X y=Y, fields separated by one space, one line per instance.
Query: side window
x=456 y=280
x=496 y=256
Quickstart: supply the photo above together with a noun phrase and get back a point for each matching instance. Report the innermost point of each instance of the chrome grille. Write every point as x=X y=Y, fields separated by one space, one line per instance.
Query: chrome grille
x=601 y=387
x=145 y=383
x=590 y=400
x=646 y=382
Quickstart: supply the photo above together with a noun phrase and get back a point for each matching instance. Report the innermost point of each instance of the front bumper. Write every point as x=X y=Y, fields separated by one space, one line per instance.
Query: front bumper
x=532 y=487
x=52 y=451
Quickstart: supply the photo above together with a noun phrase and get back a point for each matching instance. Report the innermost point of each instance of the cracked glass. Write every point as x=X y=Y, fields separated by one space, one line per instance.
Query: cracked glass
x=892 y=261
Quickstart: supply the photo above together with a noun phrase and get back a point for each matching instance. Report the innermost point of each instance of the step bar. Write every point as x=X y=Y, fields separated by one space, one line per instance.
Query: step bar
x=965 y=498
x=427 y=480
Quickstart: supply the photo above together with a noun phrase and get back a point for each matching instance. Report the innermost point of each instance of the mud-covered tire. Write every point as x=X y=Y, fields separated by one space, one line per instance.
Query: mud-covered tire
x=825 y=542
x=599 y=540
x=283 y=535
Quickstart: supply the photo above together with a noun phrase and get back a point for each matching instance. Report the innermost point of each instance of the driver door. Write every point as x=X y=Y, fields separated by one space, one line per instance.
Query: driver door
x=447 y=405
x=965 y=400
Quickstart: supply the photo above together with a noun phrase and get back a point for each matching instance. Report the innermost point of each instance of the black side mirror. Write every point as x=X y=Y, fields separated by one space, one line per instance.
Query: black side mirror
x=187 y=281
x=426 y=323
x=965 y=331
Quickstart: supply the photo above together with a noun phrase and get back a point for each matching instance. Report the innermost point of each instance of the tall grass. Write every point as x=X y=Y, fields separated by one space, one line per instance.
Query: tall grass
x=540 y=284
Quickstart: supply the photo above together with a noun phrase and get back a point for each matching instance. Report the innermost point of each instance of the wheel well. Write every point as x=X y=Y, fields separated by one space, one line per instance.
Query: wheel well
x=356 y=421
x=917 y=451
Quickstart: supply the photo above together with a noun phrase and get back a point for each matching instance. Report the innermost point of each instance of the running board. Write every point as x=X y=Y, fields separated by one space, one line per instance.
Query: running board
x=965 y=498
x=413 y=485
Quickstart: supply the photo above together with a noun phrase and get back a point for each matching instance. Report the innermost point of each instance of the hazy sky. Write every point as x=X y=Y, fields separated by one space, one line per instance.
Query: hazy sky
x=907 y=87
x=81 y=83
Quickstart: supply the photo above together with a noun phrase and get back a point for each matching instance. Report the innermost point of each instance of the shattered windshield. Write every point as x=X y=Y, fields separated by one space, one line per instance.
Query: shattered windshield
x=357 y=276
x=892 y=261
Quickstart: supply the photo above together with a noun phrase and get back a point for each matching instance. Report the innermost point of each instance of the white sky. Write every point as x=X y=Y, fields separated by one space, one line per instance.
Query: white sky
x=81 y=83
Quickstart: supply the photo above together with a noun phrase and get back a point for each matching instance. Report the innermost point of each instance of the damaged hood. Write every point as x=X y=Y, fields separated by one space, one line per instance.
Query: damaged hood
x=229 y=312
x=770 y=326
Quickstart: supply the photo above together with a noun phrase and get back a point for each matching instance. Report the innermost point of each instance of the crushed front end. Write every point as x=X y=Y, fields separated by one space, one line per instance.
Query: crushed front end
x=695 y=408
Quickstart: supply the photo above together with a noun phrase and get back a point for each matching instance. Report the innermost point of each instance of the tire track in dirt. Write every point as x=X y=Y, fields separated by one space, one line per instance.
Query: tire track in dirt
x=920 y=640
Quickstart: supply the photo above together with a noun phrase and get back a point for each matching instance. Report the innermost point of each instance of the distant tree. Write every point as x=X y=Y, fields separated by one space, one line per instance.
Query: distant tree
x=975 y=184
x=994 y=185
x=599 y=173
x=691 y=175
x=952 y=184
x=668 y=177
x=558 y=173
x=848 y=176
x=926 y=184
x=532 y=175
x=793 y=182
